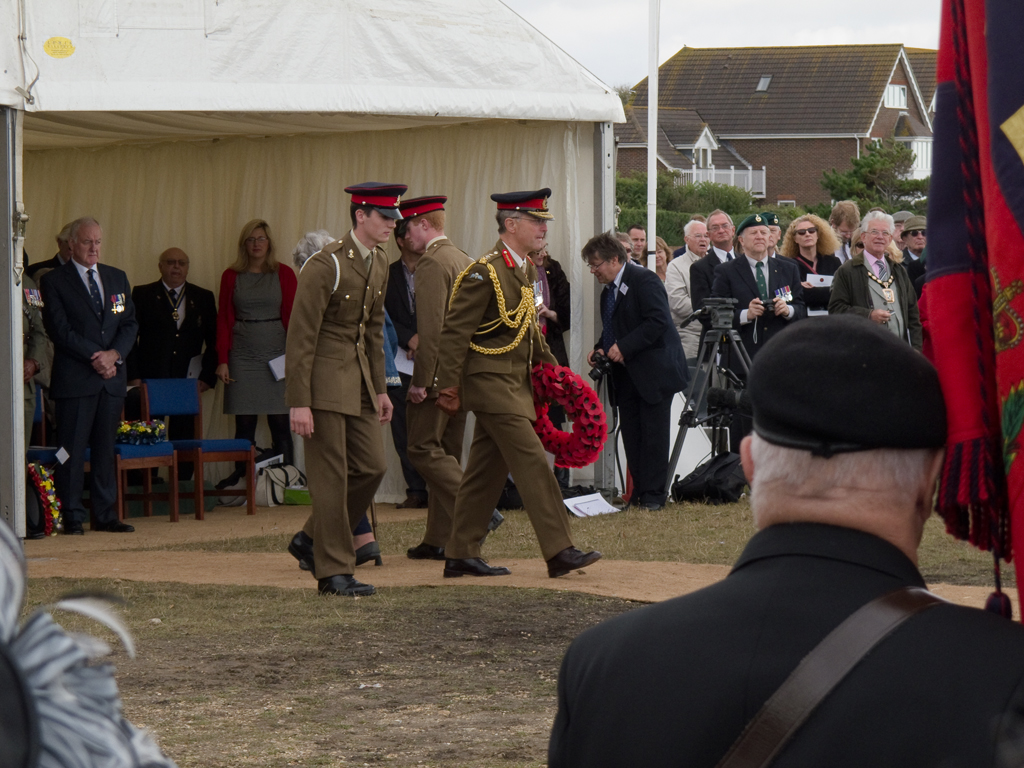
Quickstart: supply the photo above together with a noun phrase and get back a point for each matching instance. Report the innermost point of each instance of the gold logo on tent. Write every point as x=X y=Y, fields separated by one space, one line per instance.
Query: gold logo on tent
x=59 y=47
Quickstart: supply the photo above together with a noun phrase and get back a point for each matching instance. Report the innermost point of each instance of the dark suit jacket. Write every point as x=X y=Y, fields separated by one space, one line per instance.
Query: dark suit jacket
x=77 y=331
x=735 y=279
x=162 y=350
x=674 y=684
x=702 y=277
x=396 y=302
x=52 y=263
x=642 y=323
x=915 y=268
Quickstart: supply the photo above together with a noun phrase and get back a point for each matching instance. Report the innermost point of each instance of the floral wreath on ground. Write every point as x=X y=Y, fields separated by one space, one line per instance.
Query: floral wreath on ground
x=559 y=385
x=141 y=432
x=42 y=481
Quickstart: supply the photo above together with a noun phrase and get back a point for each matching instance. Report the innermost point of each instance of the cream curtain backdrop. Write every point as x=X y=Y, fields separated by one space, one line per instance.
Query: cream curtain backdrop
x=196 y=195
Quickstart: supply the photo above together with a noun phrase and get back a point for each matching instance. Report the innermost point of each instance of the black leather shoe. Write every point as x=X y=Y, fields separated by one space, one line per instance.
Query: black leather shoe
x=73 y=529
x=424 y=551
x=472 y=566
x=344 y=585
x=115 y=527
x=569 y=559
x=35 y=535
x=301 y=548
x=367 y=552
x=413 y=501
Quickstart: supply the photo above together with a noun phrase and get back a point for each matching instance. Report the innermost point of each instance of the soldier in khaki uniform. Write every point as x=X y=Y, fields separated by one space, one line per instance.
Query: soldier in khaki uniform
x=36 y=354
x=335 y=383
x=435 y=438
x=489 y=344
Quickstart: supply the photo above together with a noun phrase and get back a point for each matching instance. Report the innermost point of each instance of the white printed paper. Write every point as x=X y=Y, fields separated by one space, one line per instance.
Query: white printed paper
x=277 y=367
x=820 y=281
x=63 y=455
x=589 y=506
x=195 y=367
x=403 y=363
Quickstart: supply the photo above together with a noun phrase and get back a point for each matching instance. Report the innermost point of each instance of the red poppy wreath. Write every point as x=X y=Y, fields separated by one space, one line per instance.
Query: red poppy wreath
x=559 y=385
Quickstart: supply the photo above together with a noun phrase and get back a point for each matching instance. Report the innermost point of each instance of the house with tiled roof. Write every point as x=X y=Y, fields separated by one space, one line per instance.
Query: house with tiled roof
x=686 y=145
x=796 y=112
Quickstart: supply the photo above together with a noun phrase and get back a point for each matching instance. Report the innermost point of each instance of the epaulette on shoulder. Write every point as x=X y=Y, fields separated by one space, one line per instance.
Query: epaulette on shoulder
x=332 y=247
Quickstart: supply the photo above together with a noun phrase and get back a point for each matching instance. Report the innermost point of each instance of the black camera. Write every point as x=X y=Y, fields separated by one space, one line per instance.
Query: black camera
x=737 y=400
x=601 y=366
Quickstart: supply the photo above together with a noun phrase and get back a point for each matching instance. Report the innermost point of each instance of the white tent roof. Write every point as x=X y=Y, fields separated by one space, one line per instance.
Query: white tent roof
x=154 y=69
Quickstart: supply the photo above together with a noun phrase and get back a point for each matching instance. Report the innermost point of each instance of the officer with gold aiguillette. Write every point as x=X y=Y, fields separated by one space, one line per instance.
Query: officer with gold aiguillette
x=489 y=345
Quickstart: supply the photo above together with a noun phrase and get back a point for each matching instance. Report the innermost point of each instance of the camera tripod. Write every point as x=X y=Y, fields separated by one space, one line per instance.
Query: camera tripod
x=720 y=337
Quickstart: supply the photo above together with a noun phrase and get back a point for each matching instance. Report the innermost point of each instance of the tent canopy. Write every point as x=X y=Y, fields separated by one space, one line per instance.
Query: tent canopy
x=139 y=70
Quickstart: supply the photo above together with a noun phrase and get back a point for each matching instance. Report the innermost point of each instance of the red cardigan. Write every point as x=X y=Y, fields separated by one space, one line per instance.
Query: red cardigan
x=226 y=310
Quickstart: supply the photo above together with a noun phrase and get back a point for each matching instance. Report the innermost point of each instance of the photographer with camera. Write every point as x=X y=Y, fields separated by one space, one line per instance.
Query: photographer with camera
x=640 y=354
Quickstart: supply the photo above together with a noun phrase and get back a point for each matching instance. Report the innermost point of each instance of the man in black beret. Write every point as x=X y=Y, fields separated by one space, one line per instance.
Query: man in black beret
x=842 y=471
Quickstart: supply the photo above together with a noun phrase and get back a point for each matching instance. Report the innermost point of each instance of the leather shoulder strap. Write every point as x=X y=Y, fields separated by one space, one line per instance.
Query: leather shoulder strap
x=819 y=672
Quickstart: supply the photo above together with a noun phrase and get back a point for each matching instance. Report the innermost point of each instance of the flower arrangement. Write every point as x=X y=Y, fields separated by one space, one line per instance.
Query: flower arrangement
x=42 y=480
x=141 y=432
x=559 y=385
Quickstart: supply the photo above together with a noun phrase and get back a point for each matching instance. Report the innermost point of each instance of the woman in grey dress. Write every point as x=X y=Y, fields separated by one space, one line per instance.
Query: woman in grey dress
x=256 y=295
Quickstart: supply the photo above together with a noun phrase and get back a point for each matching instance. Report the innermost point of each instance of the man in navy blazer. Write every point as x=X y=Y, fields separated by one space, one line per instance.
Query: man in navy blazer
x=90 y=318
x=761 y=310
x=648 y=366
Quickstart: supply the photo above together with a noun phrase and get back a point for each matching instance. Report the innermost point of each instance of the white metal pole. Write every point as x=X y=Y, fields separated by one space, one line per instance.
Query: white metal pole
x=652 y=131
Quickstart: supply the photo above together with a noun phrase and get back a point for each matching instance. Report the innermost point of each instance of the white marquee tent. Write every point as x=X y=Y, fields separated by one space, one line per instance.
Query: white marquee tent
x=174 y=122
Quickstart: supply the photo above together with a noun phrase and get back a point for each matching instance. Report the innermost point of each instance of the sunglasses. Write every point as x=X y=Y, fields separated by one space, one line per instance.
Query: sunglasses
x=807 y=231
x=915 y=232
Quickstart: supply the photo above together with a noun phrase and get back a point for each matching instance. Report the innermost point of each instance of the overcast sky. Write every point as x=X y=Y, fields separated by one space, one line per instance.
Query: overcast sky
x=609 y=37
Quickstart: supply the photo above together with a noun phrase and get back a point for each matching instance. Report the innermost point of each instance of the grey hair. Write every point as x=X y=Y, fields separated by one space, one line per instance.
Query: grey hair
x=878 y=216
x=718 y=211
x=787 y=473
x=310 y=243
x=64 y=236
x=77 y=224
x=689 y=226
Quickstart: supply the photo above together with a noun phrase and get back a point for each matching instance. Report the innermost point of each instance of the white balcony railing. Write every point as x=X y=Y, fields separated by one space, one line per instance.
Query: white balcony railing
x=751 y=180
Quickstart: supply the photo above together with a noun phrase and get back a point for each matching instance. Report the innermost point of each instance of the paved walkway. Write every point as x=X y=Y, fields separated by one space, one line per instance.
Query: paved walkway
x=106 y=555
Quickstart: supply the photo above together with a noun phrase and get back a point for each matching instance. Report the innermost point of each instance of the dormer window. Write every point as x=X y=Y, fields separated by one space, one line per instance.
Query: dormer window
x=896 y=96
x=763 y=83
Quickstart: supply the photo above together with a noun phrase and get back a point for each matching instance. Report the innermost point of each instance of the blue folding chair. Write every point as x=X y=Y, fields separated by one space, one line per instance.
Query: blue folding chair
x=180 y=397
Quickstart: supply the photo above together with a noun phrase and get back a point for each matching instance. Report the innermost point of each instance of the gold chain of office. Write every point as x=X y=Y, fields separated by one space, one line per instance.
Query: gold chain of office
x=520 y=318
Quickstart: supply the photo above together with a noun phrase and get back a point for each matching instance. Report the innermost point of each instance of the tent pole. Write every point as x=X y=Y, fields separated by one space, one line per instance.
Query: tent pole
x=604 y=221
x=652 y=131
x=12 y=237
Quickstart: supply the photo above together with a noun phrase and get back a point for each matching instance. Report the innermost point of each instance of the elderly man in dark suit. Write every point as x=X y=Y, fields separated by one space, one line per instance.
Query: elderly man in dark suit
x=768 y=298
x=400 y=303
x=90 y=317
x=648 y=365
x=176 y=320
x=720 y=230
x=840 y=506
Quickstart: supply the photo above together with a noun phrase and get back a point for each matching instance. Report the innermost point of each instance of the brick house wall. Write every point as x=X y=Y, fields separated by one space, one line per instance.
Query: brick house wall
x=634 y=159
x=795 y=166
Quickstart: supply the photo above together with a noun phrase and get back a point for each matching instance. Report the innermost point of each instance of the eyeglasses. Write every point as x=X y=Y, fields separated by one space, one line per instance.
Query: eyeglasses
x=254 y=240
x=858 y=245
x=915 y=232
x=878 y=233
x=718 y=227
x=807 y=231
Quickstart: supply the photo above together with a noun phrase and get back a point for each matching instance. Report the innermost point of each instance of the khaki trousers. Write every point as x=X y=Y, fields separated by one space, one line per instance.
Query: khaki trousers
x=344 y=466
x=504 y=442
x=435 y=449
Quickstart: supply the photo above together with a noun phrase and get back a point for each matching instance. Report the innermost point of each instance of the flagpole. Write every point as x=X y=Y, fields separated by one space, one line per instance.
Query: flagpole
x=652 y=130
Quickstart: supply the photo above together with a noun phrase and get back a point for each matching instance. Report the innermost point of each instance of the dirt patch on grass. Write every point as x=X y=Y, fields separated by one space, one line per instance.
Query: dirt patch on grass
x=235 y=676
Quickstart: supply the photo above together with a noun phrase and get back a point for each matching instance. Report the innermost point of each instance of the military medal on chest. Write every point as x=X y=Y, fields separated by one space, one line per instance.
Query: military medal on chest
x=117 y=303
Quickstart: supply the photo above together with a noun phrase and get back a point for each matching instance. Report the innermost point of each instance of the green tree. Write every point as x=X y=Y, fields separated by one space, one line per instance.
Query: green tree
x=879 y=178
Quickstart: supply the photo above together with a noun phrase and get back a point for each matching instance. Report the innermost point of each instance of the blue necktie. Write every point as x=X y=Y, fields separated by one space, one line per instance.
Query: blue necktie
x=607 y=336
x=94 y=291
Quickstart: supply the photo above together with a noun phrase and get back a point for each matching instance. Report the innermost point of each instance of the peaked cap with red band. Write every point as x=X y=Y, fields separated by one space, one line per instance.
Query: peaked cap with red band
x=534 y=203
x=384 y=197
x=417 y=206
